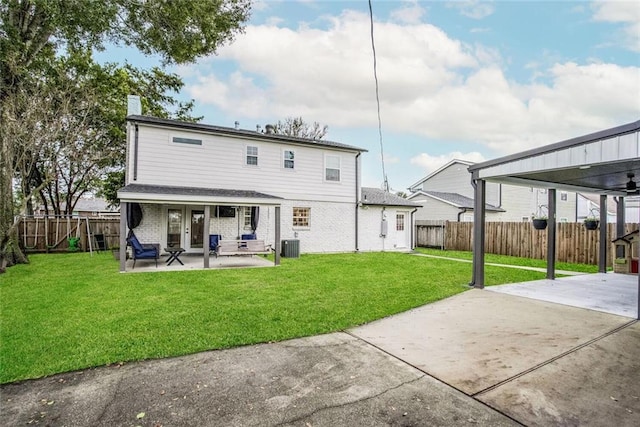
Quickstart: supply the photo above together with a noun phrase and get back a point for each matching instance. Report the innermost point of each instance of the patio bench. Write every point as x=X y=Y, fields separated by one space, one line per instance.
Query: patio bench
x=242 y=247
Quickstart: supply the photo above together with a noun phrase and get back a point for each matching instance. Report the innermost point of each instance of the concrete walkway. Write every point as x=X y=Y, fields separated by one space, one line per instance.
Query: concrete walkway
x=520 y=267
x=478 y=358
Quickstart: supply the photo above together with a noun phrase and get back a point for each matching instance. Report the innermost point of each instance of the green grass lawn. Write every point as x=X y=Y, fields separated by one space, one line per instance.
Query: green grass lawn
x=512 y=260
x=72 y=311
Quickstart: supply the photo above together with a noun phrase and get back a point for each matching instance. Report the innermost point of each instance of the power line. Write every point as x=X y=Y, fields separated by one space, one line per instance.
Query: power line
x=375 y=76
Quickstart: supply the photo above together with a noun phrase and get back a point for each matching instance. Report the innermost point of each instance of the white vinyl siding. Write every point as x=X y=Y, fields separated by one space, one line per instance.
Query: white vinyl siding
x=166 y=164
x=332 y=168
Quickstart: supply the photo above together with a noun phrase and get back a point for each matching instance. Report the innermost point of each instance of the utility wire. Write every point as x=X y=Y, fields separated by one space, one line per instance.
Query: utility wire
x=375 y=76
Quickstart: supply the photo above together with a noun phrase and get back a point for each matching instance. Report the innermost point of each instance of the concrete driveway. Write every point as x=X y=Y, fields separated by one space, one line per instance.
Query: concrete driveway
x=538 y=362
x=478 y=358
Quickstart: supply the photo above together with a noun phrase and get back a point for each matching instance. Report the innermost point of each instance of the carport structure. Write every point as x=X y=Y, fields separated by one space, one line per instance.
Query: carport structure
x=606 y=163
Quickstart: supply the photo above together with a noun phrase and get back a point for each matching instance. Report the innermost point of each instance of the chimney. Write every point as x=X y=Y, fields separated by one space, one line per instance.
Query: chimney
x=270 y=129
x=237 y=123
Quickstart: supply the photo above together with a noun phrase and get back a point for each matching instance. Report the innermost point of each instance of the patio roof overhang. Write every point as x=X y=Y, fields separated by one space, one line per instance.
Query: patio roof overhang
x=596 y=163
x=601 y=162
x=156 y=194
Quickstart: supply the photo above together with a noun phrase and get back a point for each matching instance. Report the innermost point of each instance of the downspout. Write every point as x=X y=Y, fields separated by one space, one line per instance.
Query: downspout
x=413 y=229
x=357 y=198
x=135 y=154
x=462 y=212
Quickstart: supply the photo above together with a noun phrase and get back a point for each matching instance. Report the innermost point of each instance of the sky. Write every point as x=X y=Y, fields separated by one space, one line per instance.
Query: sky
x=472 y=80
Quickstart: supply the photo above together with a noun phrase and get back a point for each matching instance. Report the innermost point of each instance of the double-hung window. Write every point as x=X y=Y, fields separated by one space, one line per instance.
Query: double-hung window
x=288 y=157
x=252 y=155
x=332 y=168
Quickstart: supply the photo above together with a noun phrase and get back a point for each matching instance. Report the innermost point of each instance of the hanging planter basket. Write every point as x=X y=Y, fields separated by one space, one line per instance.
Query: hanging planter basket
x=539 y=224
x=591 y=225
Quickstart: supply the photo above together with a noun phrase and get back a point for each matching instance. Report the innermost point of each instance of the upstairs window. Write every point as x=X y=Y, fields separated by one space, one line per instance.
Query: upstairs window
x=288 y=159
x=332 y=168
x=189 y=141
x=301 y=217
x=252 y=155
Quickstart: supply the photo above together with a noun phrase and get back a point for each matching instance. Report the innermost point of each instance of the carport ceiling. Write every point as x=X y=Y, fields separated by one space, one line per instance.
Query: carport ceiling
x=596 y=163
x=608 y=178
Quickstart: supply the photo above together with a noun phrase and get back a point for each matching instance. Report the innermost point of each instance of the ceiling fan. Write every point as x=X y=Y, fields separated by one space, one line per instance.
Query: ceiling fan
x=631 y=187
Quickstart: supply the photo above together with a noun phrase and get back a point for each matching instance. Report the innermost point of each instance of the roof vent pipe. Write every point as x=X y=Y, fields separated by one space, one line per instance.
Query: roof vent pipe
x=258 y=128
x=237 y=123
x=270 y=129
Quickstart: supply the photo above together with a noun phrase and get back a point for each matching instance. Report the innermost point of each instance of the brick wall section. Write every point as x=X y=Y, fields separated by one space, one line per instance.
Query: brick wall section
x=331 y=228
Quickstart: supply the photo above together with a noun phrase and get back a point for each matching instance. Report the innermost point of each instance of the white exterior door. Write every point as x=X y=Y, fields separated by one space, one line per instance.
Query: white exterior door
x=194 y=229
x=403 y=232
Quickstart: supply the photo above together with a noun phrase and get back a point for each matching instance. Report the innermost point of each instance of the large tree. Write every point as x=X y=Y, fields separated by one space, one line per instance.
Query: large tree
x=35 y=33
x=296 y=126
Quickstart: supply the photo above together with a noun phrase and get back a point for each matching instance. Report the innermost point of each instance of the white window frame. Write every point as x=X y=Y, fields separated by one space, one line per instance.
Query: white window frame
x=248 y=155
x=246 y=215
x=292 y=159
x=400 y=226
x=327 y=168
x=296 y=219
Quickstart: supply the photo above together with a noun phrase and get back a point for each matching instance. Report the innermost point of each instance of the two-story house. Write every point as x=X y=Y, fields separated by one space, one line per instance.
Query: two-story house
x=246 y=182
x=447 y=194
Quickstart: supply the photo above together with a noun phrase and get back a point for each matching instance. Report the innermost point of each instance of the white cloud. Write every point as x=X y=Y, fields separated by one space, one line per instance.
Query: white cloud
x=624 y=12
x=431 y=85
x=431 y=163
x=410 y=14
x=474 y=9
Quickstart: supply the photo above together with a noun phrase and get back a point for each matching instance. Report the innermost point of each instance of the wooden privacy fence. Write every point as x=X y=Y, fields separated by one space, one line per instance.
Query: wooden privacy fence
x=574 y=243
x=52 y=234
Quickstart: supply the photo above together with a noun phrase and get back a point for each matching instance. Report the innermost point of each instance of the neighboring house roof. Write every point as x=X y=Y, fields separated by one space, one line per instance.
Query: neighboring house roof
x=463 y=162
x=455 y=199
x=95 y=204
x=378 y=197
x=595 y=199
x=200 y=127
x=193 y=192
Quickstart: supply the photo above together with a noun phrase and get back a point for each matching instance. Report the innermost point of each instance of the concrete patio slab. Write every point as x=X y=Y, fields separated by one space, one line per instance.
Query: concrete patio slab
x=596 y=385
x=477 y=339
x=609 y=293
x=196 y=262
x=326 y=380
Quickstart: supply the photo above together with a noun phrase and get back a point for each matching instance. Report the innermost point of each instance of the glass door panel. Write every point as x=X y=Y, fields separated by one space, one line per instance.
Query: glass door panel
x=197 y=228
x=174 y=228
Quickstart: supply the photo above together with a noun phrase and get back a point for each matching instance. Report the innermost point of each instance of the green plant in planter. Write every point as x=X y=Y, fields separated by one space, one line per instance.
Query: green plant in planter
x=591 y=223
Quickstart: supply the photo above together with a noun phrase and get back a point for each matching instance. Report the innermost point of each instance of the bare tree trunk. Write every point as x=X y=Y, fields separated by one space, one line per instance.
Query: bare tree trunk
x=10 y=251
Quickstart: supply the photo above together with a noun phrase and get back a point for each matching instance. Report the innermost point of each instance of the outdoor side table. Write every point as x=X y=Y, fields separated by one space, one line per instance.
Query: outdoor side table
x=174 y=255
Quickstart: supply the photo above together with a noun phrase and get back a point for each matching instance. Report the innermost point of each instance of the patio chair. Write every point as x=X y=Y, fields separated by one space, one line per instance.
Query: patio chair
x=214 y=241
x=141 y=251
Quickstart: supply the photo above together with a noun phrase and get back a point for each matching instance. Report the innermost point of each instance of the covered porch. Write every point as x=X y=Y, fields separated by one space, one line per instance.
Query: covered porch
x=606 y=163
x=188 y=223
